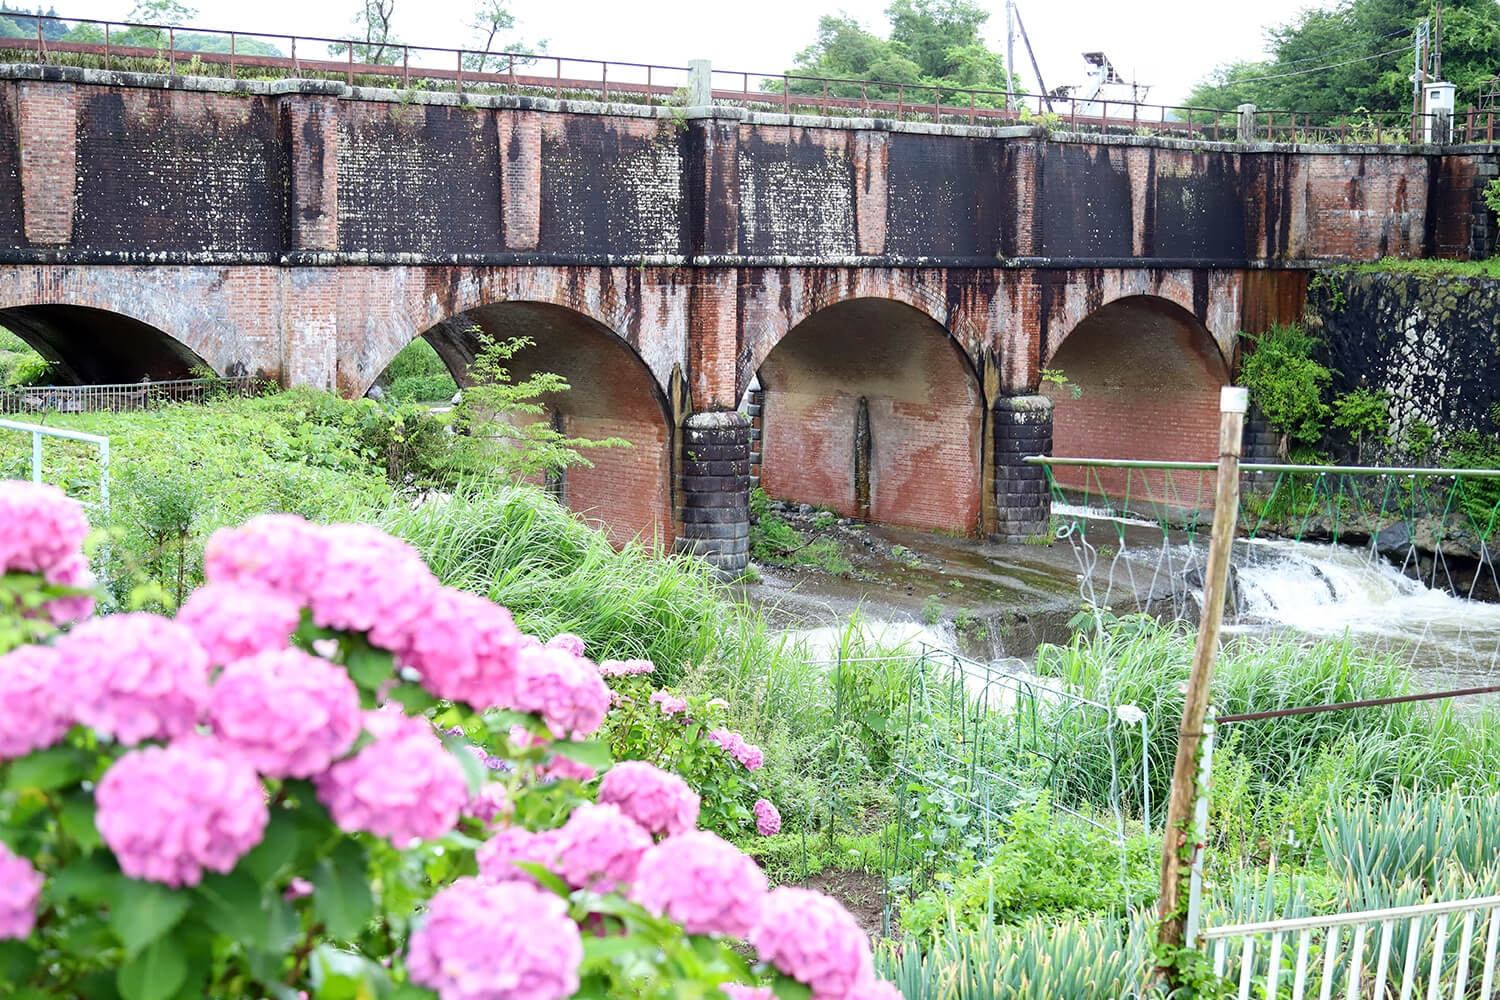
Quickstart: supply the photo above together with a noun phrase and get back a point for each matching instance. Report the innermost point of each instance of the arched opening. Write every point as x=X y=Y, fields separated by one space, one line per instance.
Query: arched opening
x=1143 y=379
x=871 y=409
x=612 y=394
x=88 y=346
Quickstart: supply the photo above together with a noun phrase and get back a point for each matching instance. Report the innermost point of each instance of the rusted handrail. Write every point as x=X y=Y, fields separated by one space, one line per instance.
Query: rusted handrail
x=782 y=91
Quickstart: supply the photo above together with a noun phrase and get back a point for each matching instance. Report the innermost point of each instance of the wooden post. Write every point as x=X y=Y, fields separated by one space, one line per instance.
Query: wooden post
x=1177 y=851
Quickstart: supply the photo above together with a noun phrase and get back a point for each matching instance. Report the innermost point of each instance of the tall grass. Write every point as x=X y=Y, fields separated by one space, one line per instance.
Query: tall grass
x=1414 y=746
x=521 y=549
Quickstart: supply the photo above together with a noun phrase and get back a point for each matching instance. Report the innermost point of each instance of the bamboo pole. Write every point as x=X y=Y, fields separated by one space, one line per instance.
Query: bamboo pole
x=1177 y=851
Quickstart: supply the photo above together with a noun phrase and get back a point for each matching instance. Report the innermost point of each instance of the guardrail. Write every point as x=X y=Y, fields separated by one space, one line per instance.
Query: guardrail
x=122 y=397
x=39 y=433
x=268 y=55
x=1322 y=963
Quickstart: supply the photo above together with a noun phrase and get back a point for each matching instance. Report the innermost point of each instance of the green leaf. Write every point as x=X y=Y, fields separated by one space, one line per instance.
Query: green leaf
x=142 y=912
x=548 y=880
x=341 y=891
x=341 y=975
x=90 y=879
x=410 y=991
x=77 y=820
x=601 y=950
x=276 y=849
x=593 y=753
x=412 y=697
x=370 y=668
x=155 y=974
x=475 y=773
x=17 y=959
x=235 y=906
x=787 y=988
x=45 y=770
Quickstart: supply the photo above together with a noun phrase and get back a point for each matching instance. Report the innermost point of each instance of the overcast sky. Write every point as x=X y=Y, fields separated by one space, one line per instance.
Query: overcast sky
x=1169 y=44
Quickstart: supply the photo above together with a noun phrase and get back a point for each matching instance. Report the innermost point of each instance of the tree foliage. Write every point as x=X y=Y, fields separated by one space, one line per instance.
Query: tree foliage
x=931 y=43
x=1321 y=60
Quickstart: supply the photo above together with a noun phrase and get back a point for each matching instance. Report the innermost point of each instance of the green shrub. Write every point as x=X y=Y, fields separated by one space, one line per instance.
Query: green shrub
x=416 y=360
x=1287 y=383
x=1042 y=865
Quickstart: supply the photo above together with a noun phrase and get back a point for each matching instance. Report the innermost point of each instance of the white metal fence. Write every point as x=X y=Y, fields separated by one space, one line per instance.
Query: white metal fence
x=1388 y=954
x=40 y=433
x=124 y=396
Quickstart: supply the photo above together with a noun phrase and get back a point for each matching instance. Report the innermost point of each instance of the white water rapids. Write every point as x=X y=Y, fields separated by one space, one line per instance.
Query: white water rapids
x=1332 y=590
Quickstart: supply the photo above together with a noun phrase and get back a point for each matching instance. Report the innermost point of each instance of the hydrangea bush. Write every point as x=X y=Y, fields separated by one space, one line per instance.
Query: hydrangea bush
x=687 y=736
x=331 y=777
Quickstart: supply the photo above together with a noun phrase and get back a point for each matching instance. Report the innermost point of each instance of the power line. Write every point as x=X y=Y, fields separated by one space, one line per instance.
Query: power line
x=1351 y=45
x=1315 y=69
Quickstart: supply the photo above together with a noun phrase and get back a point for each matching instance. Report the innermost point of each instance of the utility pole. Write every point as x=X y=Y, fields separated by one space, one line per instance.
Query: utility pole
x=1178 y=846
x=1437 y=42
x=1010 y=54
x=1041 y=84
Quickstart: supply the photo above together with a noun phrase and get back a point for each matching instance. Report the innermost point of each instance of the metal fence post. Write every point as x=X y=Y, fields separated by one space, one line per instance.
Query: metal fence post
x=1200 y=829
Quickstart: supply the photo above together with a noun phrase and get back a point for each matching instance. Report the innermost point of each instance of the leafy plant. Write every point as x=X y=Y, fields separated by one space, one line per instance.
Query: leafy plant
x=1287 y=383
x=1366 y=414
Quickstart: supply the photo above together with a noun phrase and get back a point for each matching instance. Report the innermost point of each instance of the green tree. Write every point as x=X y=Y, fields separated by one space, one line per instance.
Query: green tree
x=1357 y=54
x=932 y=43
x=503 y=426
x=493 y=20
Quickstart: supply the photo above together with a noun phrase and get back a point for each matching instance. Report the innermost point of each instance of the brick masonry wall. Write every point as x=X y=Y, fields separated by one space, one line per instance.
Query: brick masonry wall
x=174 y=171
x=924 y=416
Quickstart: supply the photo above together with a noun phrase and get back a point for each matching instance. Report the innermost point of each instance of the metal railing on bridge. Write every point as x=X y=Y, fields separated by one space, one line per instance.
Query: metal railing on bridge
x=125 y=396
x=158 y=48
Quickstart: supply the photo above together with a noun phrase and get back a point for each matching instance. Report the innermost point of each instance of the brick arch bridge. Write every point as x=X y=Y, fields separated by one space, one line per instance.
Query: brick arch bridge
x=898 y=287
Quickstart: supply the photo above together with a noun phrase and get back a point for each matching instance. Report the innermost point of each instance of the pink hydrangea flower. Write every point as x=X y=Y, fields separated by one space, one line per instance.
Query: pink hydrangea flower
x=465 y=649
x=497 y=856
x=490 y=803
x=566 y=641
x=566 y=691
x=748 y=754
x=483 y=941
x=767 y=818
x=33 y=701
x=751 y=756
x=739 y=991
x=558 y=768
x=702 y=882
x=40 y=526
x=625 y=668
x=280 y=552
x=730 y=740
x=297 y=888
x=404 y=786
x=813 y=939
x=669 y=704
x=875 y=989
x=20 y=889
x=169 y=812
x=371 y=583
x=600 y=848
x=72 y=572
x=658 y=800
x=235 y=620
x=135 y=676
x=290 y=714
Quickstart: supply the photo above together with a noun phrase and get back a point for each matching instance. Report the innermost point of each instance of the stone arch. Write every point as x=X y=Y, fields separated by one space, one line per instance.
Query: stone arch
x=1148 y=374
x=89 y=346
x=794 y=295
x=612 y=394
x=872 y=408
x=382 y=312
x=178 y=317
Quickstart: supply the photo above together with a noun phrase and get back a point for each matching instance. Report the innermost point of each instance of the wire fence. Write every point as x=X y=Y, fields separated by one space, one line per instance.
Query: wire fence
x=122 y=397
x=235 y=55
